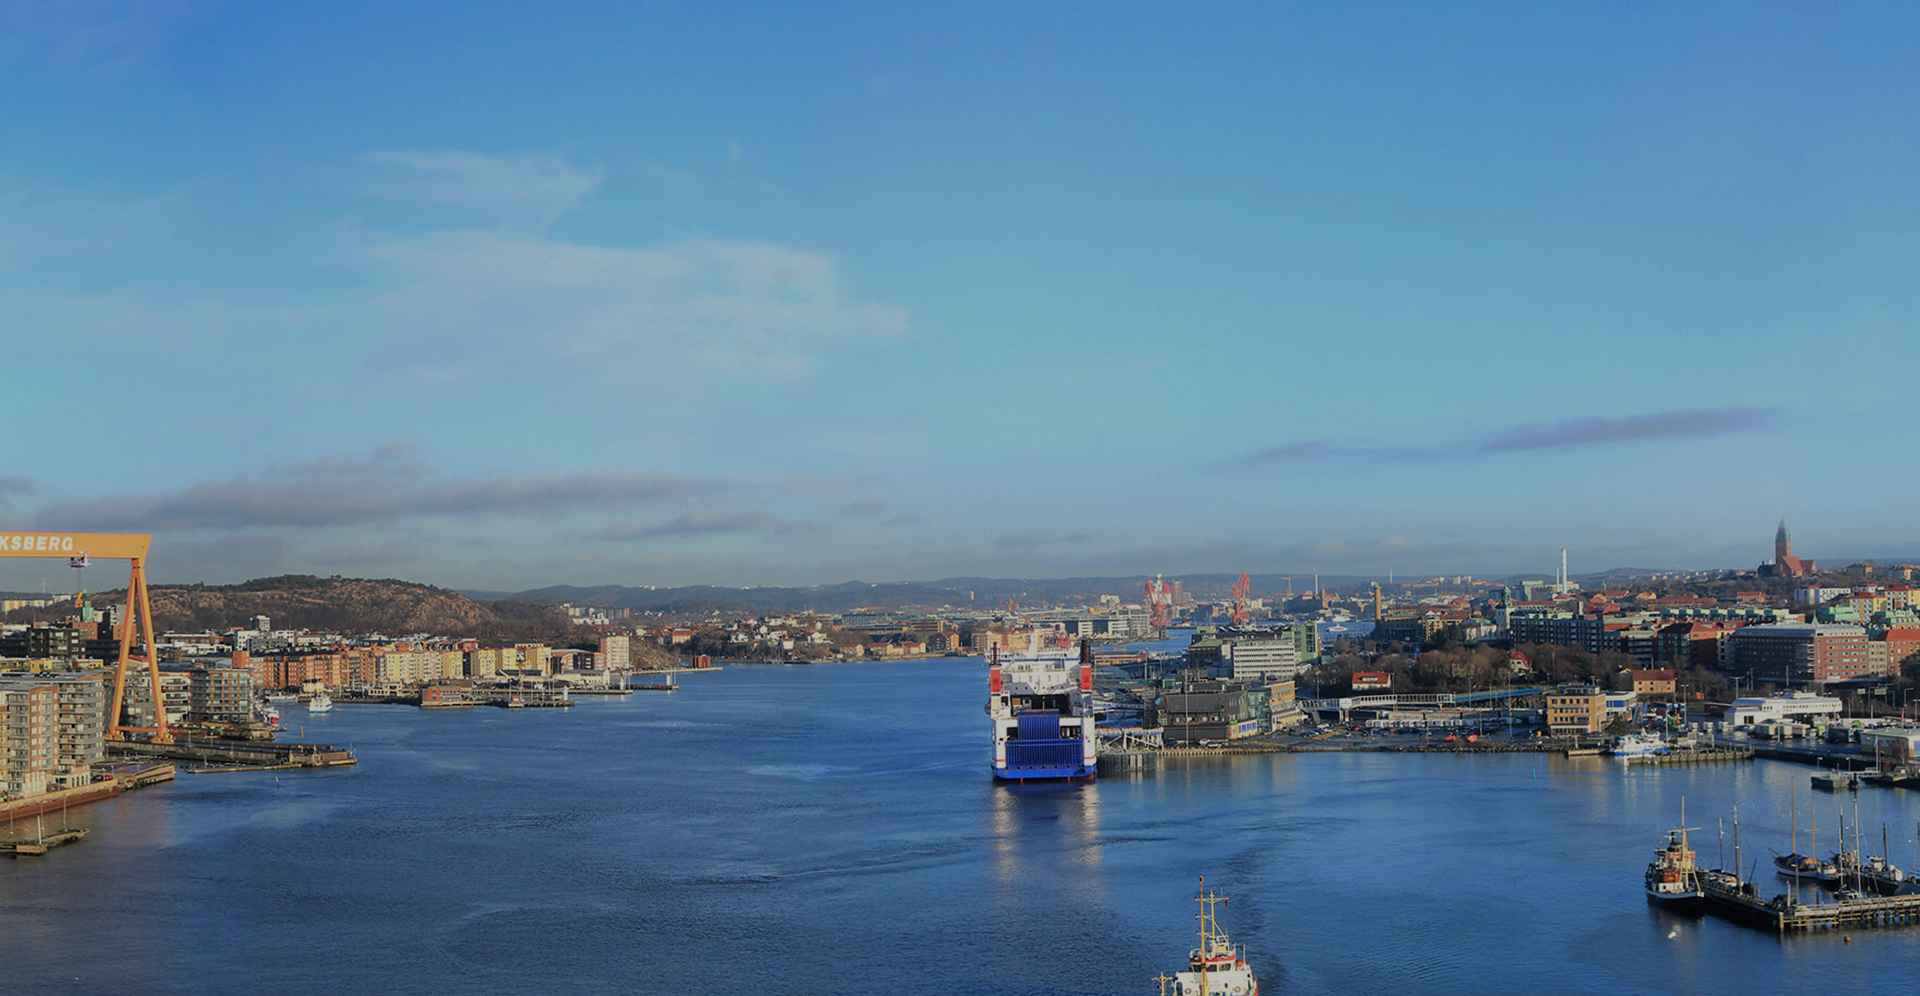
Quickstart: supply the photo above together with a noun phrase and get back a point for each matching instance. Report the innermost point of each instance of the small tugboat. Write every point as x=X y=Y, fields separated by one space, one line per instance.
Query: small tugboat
x=1216 y=967
x=320 y=702
x=1673 y=877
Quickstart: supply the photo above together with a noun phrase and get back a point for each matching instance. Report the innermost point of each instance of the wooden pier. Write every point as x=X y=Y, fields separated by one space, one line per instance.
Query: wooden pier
x=1783 y=914
x=40 y=844
x=1694 y=755
x=216 y=755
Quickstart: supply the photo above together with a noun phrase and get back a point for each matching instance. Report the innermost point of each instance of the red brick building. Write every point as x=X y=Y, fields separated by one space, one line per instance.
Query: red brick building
x=1800 y=653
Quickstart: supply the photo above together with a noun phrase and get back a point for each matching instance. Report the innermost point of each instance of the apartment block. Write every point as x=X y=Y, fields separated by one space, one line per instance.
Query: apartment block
x=1800 y=653
x=220 y=695
x=27 y=711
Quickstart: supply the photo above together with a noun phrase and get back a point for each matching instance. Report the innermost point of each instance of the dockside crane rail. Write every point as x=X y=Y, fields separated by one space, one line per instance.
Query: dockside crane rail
x=79 y=549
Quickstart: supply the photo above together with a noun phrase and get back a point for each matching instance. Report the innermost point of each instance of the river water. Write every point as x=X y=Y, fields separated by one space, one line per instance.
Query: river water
x=833 y=829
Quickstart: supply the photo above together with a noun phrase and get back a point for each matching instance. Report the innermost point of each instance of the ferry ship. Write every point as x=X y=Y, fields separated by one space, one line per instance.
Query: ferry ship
x=1216 y=967
x=1041 y=702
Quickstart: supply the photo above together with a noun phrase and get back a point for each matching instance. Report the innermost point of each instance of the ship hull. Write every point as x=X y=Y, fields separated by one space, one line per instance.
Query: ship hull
x=1058 y=773
x=1684 y=903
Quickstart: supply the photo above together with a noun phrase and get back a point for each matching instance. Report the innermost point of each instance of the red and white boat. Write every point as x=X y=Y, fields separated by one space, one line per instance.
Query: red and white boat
x=1217 y=967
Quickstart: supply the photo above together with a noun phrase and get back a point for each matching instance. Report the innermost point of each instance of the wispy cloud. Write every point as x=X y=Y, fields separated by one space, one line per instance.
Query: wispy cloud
x=385 y=488
x=1691 y=424
x=704 y=522
x=722 y=305
x=1323 y=450
x=1699 y=423
x=524 y=187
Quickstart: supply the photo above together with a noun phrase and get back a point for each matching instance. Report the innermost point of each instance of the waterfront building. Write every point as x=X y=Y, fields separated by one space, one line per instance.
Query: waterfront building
x=27 y=708
x=1576 y=709
x=616 y=652
x=1800 y=653
x=297 y=668
x=1793 y=707
x=1284 y=704
x=534 y=657
x=136 y=706
x=1213 y=710
x=1893 y=747
x=219 y=694
x=485 y=663
x=80 y=725
x=1614 y=703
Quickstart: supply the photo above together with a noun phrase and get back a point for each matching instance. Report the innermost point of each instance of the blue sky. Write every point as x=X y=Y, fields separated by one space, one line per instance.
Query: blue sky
x=497 y=295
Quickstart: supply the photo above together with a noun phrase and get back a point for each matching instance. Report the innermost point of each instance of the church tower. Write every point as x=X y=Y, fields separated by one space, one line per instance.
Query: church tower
x=1782 y=545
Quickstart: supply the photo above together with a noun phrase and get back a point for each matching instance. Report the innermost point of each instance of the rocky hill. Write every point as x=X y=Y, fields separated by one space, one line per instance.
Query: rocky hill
x=346 y=605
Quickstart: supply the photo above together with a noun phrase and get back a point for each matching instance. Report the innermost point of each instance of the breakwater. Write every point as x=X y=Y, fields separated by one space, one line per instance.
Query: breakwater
x=258 y=756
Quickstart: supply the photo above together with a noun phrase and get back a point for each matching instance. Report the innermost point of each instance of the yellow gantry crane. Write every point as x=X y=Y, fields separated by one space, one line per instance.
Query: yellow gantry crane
x=79 y=549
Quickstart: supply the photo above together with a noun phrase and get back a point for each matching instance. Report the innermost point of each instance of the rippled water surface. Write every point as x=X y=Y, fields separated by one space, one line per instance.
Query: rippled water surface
x=832 y=829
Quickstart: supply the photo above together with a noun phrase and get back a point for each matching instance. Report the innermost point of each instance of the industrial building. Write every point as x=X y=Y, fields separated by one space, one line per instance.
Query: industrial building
x=1793 y=707
x=1214 y=710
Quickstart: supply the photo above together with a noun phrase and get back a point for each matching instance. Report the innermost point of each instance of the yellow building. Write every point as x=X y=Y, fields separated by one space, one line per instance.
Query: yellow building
x=1576 y=709
x=534 y=657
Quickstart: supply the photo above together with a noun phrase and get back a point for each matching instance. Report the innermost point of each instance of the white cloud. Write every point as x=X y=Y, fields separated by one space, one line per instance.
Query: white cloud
x=524 y=187
x=488 y=297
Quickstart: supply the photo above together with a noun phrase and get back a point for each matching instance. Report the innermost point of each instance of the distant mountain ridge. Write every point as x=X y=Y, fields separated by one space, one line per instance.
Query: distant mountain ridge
x=345 y=605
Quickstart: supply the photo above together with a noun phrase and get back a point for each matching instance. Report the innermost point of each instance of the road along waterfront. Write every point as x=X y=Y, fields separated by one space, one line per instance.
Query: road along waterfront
x=834 y=828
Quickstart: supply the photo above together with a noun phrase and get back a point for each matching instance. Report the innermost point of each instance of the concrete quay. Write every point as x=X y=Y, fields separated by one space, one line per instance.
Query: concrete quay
x=222 y=756
x=126 y=779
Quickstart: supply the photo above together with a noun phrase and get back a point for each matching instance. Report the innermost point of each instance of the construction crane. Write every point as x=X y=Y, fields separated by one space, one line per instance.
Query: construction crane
x=1159 y=598
x=1241 y=589
x=79 y=549
x=1291 y=578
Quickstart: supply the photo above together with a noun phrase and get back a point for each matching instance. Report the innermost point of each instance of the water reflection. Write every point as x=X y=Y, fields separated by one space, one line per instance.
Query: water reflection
x=1054 y=821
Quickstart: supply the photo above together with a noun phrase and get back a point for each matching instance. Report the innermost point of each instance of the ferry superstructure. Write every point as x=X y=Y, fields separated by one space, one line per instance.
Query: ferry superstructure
x=1041 y=702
